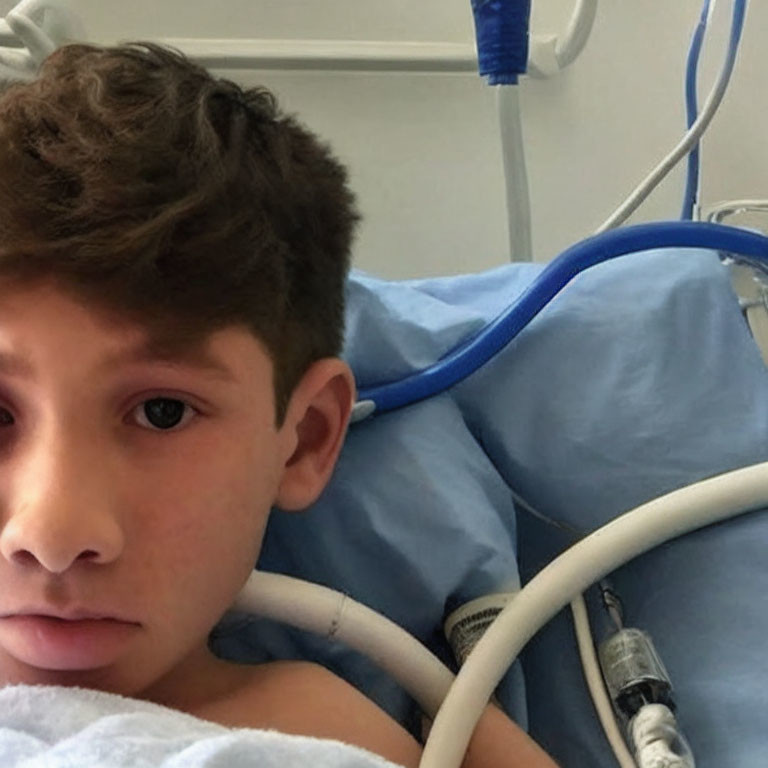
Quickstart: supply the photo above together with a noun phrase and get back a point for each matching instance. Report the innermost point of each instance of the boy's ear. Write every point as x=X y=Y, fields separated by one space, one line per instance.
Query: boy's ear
x=313 y=431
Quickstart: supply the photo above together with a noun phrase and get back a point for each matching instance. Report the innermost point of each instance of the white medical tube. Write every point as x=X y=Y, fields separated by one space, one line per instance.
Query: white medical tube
x=332 y=614
x=624 y=538
x=641 y=192
x=594 y=678
x=515 y=173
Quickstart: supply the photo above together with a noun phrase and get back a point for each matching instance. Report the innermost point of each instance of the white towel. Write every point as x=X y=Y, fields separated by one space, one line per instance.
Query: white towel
x=58 y=727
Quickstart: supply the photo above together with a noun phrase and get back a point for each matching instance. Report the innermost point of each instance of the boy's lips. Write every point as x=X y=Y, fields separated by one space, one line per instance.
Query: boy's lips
x=73 y=614
x=73 y=640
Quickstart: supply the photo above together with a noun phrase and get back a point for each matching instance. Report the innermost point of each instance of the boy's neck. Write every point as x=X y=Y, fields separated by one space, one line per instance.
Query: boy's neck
x=196 y=684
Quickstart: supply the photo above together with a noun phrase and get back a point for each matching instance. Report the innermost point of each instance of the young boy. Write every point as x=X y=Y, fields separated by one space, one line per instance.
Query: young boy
x=172 y=259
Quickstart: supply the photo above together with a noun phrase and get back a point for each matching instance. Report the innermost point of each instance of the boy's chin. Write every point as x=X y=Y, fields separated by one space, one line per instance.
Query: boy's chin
x=123 y=676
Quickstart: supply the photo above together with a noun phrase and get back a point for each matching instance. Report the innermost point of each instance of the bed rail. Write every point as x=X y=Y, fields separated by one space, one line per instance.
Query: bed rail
x=334 y=55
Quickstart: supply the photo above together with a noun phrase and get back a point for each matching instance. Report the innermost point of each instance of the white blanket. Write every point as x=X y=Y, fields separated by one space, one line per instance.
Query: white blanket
x=55 y=727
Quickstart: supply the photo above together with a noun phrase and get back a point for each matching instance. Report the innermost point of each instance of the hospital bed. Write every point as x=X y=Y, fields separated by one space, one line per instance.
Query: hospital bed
x=603 y=403
x=639 y=377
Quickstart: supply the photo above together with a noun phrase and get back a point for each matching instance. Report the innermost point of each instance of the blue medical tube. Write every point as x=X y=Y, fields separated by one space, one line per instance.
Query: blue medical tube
x=468 y=357
x=737 y=26
x=501 y=29
x=692 y=111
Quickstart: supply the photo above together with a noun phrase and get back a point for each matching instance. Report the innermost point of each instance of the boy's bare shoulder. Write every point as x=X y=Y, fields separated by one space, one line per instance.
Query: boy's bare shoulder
x=304 y=698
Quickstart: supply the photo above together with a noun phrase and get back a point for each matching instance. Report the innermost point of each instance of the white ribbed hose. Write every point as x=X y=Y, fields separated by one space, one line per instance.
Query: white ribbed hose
x=624 y=538
x=332 y=614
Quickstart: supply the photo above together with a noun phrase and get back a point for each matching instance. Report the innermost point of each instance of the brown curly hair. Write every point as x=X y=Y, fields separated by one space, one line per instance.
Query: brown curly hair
x=146 y=186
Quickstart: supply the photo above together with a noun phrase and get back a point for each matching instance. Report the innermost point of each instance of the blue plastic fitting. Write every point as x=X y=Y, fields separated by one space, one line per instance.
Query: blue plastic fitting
x=501 y=29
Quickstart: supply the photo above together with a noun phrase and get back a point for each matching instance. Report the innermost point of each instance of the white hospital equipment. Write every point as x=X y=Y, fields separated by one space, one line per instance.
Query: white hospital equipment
x=459 y=704
x=587 y=561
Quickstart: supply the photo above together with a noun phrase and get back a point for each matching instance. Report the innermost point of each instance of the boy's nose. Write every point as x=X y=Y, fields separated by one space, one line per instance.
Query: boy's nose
x=60 y=514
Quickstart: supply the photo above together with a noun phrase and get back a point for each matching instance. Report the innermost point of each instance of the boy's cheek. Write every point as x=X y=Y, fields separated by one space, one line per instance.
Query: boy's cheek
x=206 y=534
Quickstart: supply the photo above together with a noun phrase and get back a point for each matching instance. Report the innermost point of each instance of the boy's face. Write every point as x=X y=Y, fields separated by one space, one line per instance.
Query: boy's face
x=133 y=493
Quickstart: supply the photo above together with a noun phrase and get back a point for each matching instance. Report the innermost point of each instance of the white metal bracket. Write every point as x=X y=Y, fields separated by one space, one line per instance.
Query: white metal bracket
x=550 y=54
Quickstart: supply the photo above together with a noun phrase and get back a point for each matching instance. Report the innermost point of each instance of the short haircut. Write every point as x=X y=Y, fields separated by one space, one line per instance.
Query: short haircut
x=150 y=188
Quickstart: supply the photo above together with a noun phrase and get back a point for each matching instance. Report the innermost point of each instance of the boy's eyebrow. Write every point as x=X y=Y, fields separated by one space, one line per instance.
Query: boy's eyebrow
x=193 y=357
x=13 y=364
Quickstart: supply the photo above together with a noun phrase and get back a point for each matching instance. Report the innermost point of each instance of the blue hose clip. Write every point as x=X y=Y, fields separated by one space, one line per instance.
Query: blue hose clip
x=501 y=29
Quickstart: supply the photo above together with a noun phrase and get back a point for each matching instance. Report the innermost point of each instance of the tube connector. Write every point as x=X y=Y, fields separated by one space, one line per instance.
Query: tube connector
x=633 y=672
x=658 y=741
x=501 y=29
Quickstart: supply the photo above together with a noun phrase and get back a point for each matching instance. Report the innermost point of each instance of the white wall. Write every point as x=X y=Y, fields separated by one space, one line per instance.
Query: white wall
x=423 y=149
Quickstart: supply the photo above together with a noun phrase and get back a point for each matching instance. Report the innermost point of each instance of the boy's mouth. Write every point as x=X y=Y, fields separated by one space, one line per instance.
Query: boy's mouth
x=78 y=640
x=75 y=614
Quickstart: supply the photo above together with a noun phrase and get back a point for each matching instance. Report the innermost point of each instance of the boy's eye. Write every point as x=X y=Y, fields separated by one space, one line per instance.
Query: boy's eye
x=163 y=413
x=6 y=418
